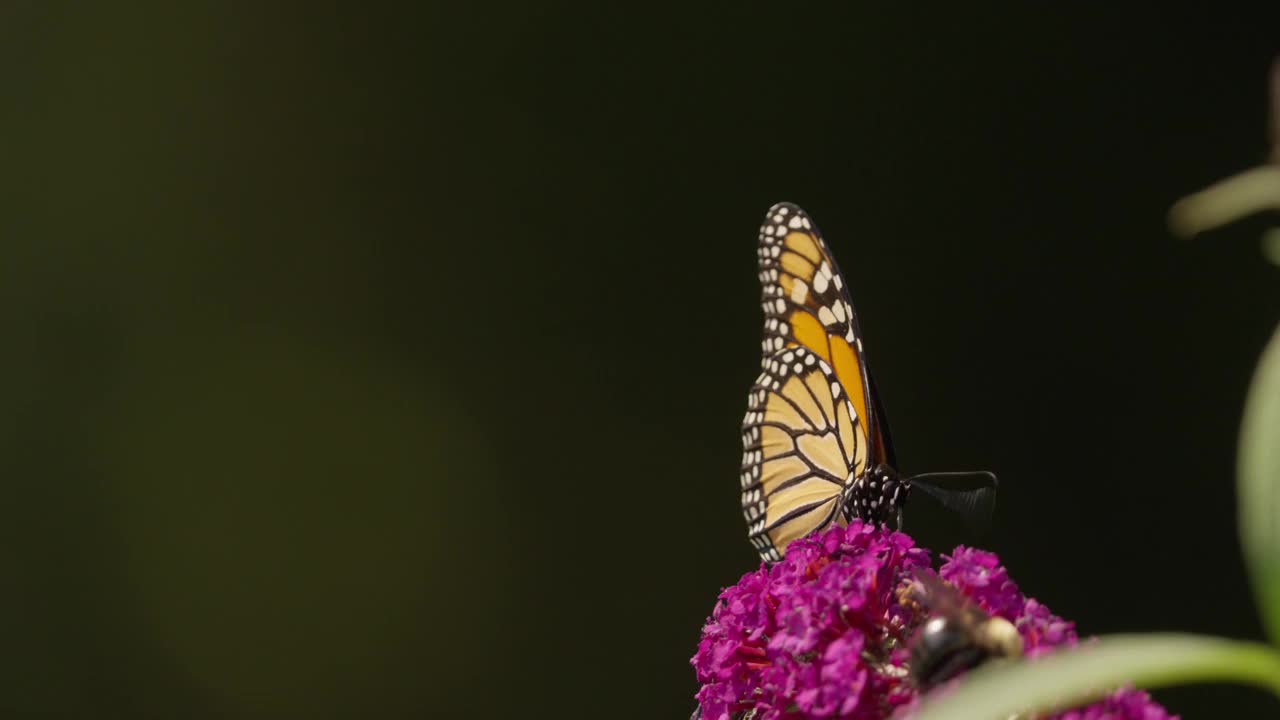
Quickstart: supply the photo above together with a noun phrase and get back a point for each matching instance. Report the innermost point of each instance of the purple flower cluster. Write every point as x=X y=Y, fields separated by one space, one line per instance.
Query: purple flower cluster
x=979 y=575
x=814 y=635
x=825 y=632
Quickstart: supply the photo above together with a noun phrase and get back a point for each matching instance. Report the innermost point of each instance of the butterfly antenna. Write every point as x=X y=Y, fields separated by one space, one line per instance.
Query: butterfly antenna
x=975 y=504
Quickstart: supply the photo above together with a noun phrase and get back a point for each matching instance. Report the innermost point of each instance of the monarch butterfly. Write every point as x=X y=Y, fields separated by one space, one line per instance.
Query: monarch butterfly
x=816 y=445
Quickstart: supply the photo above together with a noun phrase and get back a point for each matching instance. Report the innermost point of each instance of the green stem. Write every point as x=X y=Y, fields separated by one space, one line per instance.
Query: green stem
x=1237 y=197
x=1075 y=676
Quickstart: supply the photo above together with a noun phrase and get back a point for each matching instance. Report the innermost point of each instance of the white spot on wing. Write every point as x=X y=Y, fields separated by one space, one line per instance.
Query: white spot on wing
x=820 y=281
x=825 y=316
x=799 y=291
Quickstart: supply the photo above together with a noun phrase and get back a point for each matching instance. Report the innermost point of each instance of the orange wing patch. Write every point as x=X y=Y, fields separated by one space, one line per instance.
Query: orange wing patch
x=806 y=304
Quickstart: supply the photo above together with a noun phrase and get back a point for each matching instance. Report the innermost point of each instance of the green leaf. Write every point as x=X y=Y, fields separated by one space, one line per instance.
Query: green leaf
x=1259 y=468
x=1271 y=245
x=1074 y=676
x=1226 y=201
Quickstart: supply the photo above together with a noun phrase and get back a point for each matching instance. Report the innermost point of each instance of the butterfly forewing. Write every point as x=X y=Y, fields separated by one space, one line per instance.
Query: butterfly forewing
x=803 y=444
x=806 y=304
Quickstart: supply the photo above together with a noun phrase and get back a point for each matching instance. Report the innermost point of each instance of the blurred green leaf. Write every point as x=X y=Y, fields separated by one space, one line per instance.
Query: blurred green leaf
x=1075 y=676
x=1260 y=486
x=1226 y=201
x=1271 y=245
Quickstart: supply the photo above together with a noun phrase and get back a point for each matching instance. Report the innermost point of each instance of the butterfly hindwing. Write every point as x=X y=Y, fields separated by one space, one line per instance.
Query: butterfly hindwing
x=803 y=444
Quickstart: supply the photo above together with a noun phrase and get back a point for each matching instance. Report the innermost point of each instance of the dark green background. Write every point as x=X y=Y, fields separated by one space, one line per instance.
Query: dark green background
x=391 y=362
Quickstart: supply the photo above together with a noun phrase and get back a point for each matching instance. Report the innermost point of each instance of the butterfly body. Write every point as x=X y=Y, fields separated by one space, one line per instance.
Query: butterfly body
x=879 y=494
x=816 y=446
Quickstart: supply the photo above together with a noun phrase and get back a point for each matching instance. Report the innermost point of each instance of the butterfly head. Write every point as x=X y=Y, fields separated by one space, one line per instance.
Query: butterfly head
x=878 y=494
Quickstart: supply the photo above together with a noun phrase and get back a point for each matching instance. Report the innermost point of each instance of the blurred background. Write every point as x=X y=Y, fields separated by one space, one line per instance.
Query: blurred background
x=390 y=361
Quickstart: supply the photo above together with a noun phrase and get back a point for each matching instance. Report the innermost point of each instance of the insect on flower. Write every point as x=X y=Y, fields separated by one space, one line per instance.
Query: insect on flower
x=957 y=636
x=816 y=445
